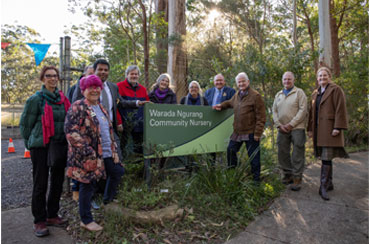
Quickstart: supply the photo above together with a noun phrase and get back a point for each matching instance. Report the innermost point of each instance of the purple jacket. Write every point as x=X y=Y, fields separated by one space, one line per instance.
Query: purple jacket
x=170 y=98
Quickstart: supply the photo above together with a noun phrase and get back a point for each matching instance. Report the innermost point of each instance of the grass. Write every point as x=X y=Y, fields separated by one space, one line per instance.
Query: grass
x=218 y=202
x=357 y=148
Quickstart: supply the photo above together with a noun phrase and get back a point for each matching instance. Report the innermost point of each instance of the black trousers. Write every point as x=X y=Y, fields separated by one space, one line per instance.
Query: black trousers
x=114 y=175
x=42 y=209
x=137 y=140
x=253 y=148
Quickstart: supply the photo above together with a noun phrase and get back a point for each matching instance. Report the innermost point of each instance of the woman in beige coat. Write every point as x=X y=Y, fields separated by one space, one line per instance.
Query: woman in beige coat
x=327 y=120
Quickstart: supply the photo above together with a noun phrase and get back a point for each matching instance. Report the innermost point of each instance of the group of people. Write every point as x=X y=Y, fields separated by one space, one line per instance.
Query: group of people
x=84 y=135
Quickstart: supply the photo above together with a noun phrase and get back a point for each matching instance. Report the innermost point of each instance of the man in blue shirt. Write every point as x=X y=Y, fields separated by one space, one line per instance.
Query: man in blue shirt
x=220 y=92
x=217 y=94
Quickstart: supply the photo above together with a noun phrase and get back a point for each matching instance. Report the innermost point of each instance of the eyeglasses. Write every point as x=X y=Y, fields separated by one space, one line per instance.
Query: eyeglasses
x=51 y=76
x=96 y=88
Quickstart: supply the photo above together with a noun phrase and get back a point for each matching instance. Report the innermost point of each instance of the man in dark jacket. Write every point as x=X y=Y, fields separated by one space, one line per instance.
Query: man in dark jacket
x=249 y=122
x=220 y=92
x=109 y=97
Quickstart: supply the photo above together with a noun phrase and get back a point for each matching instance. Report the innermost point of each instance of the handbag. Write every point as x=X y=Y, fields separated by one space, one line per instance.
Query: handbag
x=57 y=154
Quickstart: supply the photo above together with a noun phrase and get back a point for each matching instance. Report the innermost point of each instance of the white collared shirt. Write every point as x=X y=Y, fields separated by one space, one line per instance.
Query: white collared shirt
x=109 y=95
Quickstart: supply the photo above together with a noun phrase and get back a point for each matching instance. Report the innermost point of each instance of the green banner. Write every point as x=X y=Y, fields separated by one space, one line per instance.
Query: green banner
x=175 y=130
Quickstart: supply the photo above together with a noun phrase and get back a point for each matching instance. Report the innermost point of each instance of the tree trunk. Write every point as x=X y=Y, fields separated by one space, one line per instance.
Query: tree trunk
x=146 y=44
x=310 y=32
x=325 y=33
x=334 y=41
x=295 y=24
x=161 y=9
x=177 y=60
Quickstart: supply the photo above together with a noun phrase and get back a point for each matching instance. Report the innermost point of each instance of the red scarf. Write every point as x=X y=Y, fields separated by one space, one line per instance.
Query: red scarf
x=47 y=119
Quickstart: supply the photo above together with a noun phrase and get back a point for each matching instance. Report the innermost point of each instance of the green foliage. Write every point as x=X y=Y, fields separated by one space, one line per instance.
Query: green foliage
x=19 y=74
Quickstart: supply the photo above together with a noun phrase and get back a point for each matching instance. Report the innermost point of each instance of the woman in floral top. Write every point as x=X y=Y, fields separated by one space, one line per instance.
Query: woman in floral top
x=92 y=152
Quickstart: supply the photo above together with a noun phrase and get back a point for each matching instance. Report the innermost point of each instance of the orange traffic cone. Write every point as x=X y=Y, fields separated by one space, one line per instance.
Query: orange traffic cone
x=11 y=148
x=27 y=153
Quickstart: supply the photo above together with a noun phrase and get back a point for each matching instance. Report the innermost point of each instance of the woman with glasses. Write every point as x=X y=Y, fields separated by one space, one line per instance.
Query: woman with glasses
x=41 y=126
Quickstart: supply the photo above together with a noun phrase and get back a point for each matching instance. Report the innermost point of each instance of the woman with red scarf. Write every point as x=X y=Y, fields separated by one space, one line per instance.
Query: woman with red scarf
x=42 y=128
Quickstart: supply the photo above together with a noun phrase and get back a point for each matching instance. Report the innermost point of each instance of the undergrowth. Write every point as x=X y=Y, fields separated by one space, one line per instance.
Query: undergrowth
x=218 y=202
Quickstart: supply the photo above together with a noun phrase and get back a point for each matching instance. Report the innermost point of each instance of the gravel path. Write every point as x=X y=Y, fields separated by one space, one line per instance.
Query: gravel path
x=16 y=177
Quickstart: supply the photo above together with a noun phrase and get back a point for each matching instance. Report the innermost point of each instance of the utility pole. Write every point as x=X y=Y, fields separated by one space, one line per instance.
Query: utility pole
x=67 y=63
x=65 y=68
x=61 y=64
x=325 y=36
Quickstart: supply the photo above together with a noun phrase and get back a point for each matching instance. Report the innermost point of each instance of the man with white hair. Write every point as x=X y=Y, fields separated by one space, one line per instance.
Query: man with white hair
x=290 y=117
x=133 y=118
x=220 y=92
x=249 y=123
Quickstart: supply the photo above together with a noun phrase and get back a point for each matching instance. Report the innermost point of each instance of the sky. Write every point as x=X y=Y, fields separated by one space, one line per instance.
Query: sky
x=47 y=17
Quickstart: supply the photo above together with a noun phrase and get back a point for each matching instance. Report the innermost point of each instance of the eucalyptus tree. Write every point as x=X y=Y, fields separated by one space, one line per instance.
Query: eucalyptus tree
x=125 y=22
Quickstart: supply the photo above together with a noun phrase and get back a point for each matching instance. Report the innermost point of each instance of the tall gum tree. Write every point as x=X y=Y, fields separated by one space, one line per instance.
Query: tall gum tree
x=177 y=59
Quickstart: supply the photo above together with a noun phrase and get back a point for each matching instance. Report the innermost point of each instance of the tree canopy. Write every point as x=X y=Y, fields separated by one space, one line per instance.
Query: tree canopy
x=228 y=37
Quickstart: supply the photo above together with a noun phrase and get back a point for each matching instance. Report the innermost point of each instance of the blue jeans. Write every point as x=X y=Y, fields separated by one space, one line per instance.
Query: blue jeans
x=84 y=201
x=114 y=175
x=75 y=185
x=252 y=146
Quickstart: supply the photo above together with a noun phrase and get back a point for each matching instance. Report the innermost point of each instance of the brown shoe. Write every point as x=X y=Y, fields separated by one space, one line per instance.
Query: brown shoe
x=288 y=179
x=40 y=229
x=91 y=226
x=296 y=184
x=75 y=196
x=57 y=222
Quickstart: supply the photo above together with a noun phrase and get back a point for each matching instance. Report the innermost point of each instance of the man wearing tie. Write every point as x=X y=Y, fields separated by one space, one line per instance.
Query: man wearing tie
x=220 y=92
x=217 y=94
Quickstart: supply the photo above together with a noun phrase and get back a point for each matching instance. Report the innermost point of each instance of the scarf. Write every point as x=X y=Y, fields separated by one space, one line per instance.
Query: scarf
x=47 y=117
x=160 y=94
x=193 y=101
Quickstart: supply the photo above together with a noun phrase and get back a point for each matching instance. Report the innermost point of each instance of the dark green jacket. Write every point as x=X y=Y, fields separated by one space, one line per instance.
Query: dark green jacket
x=30 y=123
